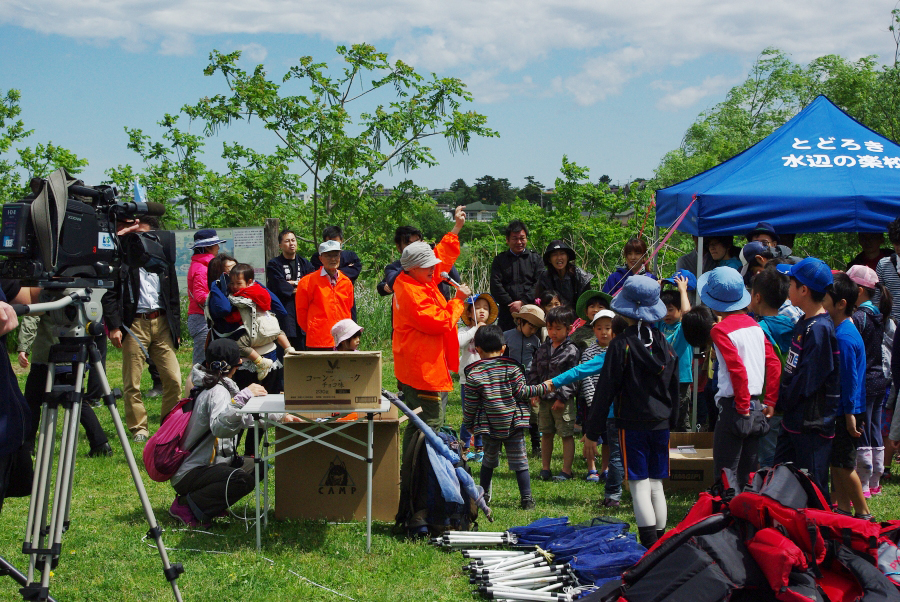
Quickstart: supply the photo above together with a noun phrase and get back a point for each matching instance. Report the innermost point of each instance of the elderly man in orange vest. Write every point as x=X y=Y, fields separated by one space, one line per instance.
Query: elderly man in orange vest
x=425 y=345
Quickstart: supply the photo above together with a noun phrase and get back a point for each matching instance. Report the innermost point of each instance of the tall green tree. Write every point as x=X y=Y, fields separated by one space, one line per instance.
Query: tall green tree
x=345 y=127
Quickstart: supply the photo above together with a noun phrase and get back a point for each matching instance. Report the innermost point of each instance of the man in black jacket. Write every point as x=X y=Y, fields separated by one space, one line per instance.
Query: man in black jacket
x=282 y=275
x=514 y=274
x=147 y=303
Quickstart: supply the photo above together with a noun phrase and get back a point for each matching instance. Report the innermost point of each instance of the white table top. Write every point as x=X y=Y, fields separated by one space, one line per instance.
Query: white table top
x=266 y=404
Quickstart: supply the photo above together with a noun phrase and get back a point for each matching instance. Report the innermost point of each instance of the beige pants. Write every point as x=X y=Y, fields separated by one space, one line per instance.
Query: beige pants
x=157 y=339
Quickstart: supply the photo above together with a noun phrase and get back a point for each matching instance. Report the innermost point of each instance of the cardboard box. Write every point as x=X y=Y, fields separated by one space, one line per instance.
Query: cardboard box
x=314 y=481
x=332 y=380
x=690 y=462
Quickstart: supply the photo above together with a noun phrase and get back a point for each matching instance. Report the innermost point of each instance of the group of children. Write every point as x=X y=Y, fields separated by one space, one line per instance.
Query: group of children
x=797 y=369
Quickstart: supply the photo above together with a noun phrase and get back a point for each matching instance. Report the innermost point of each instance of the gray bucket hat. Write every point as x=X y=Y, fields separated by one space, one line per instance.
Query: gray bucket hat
x=639 y=300
x=418 y=255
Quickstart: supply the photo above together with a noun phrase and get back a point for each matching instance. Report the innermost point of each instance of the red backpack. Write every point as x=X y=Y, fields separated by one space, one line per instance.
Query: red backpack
x=163 y=453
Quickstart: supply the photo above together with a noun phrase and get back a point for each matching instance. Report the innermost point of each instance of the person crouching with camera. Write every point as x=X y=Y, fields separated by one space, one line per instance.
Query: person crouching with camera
x=213 y=477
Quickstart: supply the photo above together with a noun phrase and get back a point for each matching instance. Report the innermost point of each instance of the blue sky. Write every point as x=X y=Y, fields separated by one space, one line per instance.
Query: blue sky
x=613 y=85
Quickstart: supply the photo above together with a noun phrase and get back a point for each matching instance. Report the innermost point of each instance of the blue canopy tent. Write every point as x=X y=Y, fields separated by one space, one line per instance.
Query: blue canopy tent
x=822 y=171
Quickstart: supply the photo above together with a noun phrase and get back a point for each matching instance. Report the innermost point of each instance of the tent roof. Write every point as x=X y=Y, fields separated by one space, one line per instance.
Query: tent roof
x=822 y=171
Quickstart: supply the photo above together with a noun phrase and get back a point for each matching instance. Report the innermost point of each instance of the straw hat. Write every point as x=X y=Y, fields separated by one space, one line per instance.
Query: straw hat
x=493 y=310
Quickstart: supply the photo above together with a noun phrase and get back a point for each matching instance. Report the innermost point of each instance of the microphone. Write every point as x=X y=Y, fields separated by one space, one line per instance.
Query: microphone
x=446 y=277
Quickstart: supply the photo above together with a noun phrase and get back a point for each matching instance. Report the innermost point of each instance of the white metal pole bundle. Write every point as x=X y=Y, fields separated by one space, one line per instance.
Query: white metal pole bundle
x=520 y=574
x=532 y=582
x=478 y=554
x=528 y=560
x=497 y=593
x=553 y=569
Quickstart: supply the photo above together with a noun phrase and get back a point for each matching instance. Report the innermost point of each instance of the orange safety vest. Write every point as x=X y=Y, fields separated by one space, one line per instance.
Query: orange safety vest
x=320 y=306
x=425 y=345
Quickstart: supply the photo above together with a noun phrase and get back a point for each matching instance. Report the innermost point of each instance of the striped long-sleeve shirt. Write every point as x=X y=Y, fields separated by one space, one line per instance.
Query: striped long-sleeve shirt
x=747 y=362
x=497 y=398
x=888 y=276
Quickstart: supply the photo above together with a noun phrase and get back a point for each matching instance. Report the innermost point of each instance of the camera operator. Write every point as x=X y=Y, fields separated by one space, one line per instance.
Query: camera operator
x=15 y=460
x=147 y=303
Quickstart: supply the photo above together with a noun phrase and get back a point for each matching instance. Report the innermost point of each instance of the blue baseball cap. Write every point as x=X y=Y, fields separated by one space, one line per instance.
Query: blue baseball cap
x=722 y=289
x=813 y=273
x=692 y=280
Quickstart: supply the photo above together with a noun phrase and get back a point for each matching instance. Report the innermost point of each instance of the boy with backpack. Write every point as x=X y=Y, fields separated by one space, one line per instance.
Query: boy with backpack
x=639 y=380
x=839 y=303
x=496 y=408
x=810 y=383
x=747 y=364
x=768 y=292
x=556 y=411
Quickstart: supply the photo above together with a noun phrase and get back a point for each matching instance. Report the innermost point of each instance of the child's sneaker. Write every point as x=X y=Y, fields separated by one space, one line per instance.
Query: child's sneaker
x=263 y=367
x=469 y=455
x=611 y=503
x=867 y=494
x=479 y=456
x=546 y=475
x=592 y=476
x=527 y=503
x=875 y=490
x=603 y=475
x=562 y=476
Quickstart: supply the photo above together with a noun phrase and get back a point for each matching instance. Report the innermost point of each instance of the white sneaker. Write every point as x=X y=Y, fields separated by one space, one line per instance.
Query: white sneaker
x=263 y=367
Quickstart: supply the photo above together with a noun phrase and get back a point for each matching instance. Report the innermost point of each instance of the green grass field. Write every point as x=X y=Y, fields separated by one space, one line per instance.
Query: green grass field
x=104 y=557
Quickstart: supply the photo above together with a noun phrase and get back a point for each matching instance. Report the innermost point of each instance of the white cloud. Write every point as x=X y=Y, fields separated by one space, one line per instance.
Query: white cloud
x=599 y=45
x=677 y=99
x=254 y=52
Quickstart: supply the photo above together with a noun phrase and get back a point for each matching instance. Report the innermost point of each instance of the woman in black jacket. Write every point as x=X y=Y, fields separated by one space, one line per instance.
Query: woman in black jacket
x=562 y=275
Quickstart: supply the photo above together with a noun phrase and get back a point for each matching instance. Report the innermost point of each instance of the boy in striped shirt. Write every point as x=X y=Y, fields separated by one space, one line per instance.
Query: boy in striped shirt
x=496 y=406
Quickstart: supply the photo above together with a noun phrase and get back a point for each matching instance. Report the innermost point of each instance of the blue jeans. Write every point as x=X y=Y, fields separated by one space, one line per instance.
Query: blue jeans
x=464 y=434
x=616 y=469
x=766 y=452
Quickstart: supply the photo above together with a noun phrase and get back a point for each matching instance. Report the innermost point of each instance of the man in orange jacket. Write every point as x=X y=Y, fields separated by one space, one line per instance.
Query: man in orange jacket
x=324 y=298
x=425 y=346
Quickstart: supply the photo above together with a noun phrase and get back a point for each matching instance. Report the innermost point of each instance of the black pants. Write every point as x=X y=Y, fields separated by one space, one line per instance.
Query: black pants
x=211 y=490
x=34 y=395
x=736 y=440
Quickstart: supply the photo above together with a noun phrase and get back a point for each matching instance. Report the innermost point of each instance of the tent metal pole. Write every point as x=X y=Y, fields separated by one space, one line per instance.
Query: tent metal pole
x=696 y=351
x=656 y=256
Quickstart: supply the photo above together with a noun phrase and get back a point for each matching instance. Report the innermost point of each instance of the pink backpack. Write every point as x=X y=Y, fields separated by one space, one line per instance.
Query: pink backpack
x=163 y=452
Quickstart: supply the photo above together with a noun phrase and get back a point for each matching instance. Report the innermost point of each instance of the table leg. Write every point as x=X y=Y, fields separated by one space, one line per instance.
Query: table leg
x=264 y=455
x=370 y=459
x=256 y=481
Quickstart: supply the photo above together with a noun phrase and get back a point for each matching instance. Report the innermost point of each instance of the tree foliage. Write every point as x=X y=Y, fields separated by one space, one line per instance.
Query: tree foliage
x=40 y=161
x=345 y=128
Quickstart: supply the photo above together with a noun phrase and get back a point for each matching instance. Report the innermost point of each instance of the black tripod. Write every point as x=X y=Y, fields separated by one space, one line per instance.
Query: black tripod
x=77 y=319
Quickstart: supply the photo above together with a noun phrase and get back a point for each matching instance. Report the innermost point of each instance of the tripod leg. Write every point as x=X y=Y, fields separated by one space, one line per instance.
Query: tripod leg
x=8 y=569
x=171 y=571
x=40 y=487
x=64 y=473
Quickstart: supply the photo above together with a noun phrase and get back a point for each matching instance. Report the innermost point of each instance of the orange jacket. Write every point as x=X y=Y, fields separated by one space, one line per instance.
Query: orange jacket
x=425 y=345
x=320 y=306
